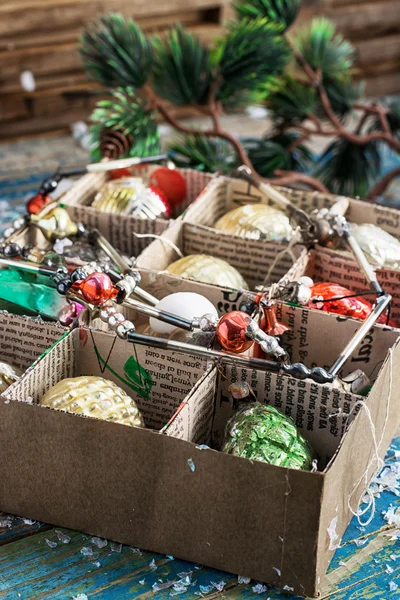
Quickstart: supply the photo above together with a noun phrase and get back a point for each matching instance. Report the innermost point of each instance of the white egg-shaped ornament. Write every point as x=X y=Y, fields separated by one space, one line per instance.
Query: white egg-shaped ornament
x=187 y=305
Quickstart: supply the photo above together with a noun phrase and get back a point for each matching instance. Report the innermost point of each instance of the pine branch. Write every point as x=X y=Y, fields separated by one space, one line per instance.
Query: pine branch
x=116 y=52
x=182 y=68
x=281 y=12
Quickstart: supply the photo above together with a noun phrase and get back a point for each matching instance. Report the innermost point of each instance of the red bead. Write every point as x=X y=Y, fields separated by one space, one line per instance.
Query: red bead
x=171 y=182
x=96 y=289
x=164 y=199
x=36 y=203
x=119 y=173
x=356 y=307
x=231 y=332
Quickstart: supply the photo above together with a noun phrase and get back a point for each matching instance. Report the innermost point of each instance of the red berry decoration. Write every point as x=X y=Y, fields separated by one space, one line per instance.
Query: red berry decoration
x=36 y=203
x=171 y=182
x=96 y=289
x=231 y=332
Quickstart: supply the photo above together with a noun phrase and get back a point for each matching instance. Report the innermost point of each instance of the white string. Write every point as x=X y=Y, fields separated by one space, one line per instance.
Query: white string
x=288 y=250
x=375 y=459
x=158 y=237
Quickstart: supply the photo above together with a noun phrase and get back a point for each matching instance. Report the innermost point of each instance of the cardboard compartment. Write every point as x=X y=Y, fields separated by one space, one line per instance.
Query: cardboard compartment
x=281 y=525
x=23 y=339
x=120 y=229
x=323 y=264
x=157 y=383
x=170 y=494
x=252 y=258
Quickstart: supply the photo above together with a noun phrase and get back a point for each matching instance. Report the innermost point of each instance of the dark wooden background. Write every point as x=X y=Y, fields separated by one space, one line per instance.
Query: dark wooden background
x=40 y=36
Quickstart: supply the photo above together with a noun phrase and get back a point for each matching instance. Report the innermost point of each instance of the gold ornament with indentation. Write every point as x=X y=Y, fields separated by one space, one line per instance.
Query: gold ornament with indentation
x=94 y=397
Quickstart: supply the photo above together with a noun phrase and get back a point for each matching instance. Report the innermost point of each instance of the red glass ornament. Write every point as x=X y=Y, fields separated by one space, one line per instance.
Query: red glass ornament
x=171 y=182
x=119 y=173
x=231 y=332
x=356 y=307
x=96 y=289
x=36 y=203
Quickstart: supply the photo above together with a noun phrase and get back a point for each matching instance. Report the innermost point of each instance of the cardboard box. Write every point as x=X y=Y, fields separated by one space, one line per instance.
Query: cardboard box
x=165 y=492
x=120 y=229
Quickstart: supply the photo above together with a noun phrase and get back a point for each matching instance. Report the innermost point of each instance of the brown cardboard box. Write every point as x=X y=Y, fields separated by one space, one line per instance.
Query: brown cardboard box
x=165 y=492
x=120 y=229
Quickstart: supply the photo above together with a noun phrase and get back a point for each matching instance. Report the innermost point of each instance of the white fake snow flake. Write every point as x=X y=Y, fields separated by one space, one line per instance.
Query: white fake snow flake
x=287 y=588
x=63 y=537
x=203 y=447
x=333 y=536
x=6 y=520
x=219 y=585
x=277 y=570
x=116 y=547
x=97 y=564
x=80 y=597
x=142 y=581
x=389 y=570
x=342 y=564
x=153 y=565
x=393 y=586
x=206 y=589
x=51 y=544
x=98 y=542
x=360 y=542
x=394 y=556
x=191 y=464
x=244 y=580
x=391 y=517
x=86 y=551
x=29 y=521
x=260 y=588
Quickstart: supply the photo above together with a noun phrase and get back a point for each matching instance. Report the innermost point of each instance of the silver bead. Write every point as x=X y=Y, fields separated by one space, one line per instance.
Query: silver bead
x=106 y=312
x=18 y=222
x=123 y=329
x=208 y=322
x=9 y=231
x=116 y=320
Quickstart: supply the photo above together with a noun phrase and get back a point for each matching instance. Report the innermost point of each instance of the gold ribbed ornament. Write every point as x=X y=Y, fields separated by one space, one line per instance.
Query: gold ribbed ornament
x=115 y=196
x=208 y=269
x=8 y=374
x=256 y=222
x=94 y=397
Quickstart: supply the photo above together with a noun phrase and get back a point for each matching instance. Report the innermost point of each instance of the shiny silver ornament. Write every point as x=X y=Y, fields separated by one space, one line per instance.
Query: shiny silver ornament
x=381 y=248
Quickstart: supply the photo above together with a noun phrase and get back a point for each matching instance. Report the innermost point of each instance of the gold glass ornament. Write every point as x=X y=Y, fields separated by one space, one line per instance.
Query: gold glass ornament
x=8 y=374
x=256 y=222
x=94 y=397
x=55 y=224
x=116 y=195
x=208 y=269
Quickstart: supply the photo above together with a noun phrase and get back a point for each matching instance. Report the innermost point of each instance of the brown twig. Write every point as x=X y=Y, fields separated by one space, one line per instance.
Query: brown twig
x=290 y=178
x=381 y=186
x=339 y=130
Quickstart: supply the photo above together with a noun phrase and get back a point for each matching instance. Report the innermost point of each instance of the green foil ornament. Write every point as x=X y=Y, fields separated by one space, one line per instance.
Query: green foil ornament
x=260 y=432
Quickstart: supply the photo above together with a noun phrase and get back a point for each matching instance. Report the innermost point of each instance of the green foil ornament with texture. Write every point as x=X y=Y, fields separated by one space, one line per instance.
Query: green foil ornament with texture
x=260 y=432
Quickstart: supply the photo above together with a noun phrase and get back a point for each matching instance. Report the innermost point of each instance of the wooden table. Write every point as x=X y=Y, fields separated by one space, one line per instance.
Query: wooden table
x=40 y=561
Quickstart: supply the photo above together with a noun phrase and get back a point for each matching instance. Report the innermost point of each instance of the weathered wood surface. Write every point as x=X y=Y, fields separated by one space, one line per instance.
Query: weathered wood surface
x=37 y=561
x=41 y=36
